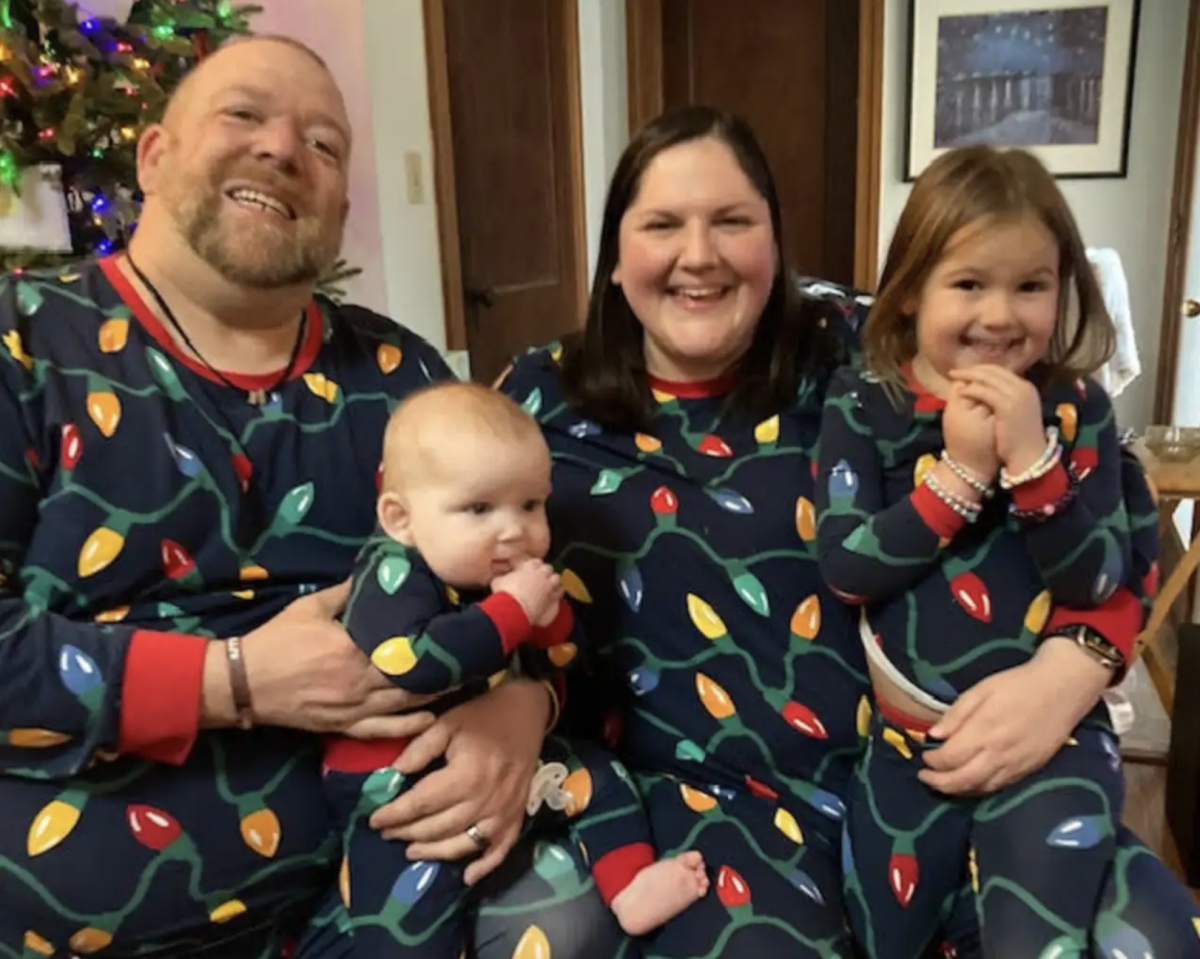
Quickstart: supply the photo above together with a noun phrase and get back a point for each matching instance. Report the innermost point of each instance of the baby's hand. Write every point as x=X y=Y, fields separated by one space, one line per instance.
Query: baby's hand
x=534 y=585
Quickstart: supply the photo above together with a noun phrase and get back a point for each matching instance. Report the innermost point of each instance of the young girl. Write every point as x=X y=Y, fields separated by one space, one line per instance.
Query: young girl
x=970 y=501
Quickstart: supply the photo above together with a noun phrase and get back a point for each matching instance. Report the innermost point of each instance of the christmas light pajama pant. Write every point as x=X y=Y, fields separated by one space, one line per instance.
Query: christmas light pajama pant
x=420 y=909
x=1038 y=852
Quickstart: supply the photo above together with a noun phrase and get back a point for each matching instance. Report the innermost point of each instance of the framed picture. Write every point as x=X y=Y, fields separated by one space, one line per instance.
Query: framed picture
x=1053 y=76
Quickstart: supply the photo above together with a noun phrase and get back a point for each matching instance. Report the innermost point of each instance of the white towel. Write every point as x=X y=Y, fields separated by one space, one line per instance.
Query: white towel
x=1125 y=366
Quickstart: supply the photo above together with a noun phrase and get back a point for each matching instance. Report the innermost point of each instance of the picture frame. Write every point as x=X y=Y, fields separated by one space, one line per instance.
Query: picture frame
x=1052 y=76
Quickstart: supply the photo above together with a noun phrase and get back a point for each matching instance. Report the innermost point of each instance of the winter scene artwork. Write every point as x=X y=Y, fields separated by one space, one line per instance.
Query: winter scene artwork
x=1055 y=78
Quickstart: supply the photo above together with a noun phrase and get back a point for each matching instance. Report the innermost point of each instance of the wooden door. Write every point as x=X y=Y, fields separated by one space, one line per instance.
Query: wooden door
x=504 y=91
x=792 y=69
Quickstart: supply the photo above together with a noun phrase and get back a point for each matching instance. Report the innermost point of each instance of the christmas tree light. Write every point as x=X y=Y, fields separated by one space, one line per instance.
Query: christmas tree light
x=90 y=939
x=227 y=910
x=37 y=945
x=903 y=875
x=750 y=588
x=34 y=738
x=551 y=862
x=296 y=504
x=562 y=654
x=924 y=464
x=664 y=505
x=388 y=358
x=533 y=402
x=732 y=501
x=381 y=787
x=1079 y=832
x=642 y=681
x=578 y=786
x=187 y=462
x=766 y=433
x=732 y=889
x=806 y=620
x=533 y=944
x=1068 y=420
x=152 y=827
x=261 y=832
x=804 y=720
x=392 y=572
x=1038 y=612
x=104 y=409
x=843 y=486
x=113 y=335
x=970 y=592
x=608 y=481
x=786 y=823
x=100 y=549
x=583 y=429
x=711 y=445
x=804 y=882
x=714 y=698
x=166 y=376
x=705 y=618
x=394 y=657
x=320 y=385
x=688 y=751
x=414 y=882
x=646 y=443
x=862 y=717
x=573 y=586
x=696 y=800
x=897 y=742
x=806 y=519
x=630 y=585
x=54 y=822
x=344 y=882
x=760 y=790
x=70 y=446
x=177 y=563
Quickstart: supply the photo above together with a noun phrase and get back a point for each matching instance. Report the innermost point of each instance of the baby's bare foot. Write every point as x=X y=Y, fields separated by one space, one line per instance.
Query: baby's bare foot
x=660 y=892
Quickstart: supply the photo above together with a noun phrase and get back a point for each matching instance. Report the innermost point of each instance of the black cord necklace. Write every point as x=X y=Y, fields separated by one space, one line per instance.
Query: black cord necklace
x=254 y=397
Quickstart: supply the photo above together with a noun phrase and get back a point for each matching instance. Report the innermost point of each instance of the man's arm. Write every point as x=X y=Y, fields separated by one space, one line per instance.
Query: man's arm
x=69 y=688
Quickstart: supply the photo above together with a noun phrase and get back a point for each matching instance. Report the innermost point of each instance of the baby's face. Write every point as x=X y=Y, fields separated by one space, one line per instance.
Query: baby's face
x=484 y=514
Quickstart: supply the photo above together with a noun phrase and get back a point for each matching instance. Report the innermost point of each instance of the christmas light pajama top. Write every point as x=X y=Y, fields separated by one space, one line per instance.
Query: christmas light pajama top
x=430 y=638
x=690 y=554
x=132 y=524
x=949 y=604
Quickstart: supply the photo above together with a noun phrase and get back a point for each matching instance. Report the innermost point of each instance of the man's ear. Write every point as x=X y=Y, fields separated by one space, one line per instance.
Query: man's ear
x=151 y=151
x=394 y=518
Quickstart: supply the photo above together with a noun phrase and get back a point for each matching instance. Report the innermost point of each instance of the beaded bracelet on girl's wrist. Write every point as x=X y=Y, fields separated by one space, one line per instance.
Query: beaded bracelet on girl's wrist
x=968 y=477
x=1043 y=465
x=1040 y=514
x=961 y=507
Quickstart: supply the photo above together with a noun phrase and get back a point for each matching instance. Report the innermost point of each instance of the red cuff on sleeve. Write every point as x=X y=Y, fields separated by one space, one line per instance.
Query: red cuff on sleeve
x=1119 y=620
x=509 y=618
x=1042 y=491
x=615 y=870
x=938 y=516
x=559 y=629
x=160 y=698
x=348 y=755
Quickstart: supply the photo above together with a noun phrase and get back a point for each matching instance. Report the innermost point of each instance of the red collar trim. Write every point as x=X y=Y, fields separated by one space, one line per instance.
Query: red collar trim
x=243 y=381
x=923 y=400
x=694 y=389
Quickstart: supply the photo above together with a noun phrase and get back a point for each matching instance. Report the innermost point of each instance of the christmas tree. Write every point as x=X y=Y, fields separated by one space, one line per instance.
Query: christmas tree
x=79 y=81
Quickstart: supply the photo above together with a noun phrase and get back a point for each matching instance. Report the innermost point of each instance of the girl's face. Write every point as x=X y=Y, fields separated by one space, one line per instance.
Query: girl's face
x=992 y=299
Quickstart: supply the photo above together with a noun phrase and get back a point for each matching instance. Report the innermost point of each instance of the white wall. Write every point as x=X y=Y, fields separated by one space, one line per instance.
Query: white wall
x=605 y=105
x=1130 y=214
x=376 y=51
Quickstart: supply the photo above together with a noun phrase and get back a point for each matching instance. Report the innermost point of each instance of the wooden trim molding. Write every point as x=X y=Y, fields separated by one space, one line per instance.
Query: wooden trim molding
x=444 y=180
x=1180 y=226
x=870 y=143
x=574 y=94
x=644 y=66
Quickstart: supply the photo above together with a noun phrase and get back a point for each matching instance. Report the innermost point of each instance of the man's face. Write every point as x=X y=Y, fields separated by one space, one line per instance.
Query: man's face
x=251 y=165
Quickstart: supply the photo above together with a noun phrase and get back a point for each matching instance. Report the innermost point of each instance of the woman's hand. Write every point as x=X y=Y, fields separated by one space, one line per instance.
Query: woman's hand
x=1016 y=407
x=1012 y=723
x=491 y=745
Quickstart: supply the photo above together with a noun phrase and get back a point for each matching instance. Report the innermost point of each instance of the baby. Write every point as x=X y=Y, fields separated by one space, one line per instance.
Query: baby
x=453 y=584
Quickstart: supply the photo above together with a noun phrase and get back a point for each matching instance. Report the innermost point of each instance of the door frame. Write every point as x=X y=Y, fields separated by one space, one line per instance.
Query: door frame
x=643 y=25
x=445 y=189
x=1180 y=227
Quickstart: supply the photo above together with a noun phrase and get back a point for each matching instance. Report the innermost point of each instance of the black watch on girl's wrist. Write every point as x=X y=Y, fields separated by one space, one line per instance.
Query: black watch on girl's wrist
x=1092 y=643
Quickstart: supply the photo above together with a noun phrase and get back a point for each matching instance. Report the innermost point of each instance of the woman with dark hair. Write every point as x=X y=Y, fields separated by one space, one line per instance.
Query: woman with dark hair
x=683 y=424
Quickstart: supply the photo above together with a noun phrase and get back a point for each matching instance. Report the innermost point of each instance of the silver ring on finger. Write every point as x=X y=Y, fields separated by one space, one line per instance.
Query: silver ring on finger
x=476 y=836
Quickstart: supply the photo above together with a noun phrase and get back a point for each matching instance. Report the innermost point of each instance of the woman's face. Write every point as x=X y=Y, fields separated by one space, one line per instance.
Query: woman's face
x=696 y=260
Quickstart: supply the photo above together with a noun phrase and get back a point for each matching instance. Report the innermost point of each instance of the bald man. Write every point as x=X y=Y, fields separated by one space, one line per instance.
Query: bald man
x=188 y=443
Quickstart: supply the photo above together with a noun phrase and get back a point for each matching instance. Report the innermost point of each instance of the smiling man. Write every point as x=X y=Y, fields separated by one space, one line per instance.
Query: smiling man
x=188 y=445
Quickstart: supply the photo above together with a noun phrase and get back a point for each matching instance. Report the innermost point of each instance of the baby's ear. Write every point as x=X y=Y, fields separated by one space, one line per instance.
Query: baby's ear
x=394 y=518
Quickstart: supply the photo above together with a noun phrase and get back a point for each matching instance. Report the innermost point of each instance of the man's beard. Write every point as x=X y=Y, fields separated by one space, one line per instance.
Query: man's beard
x=263 y=256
